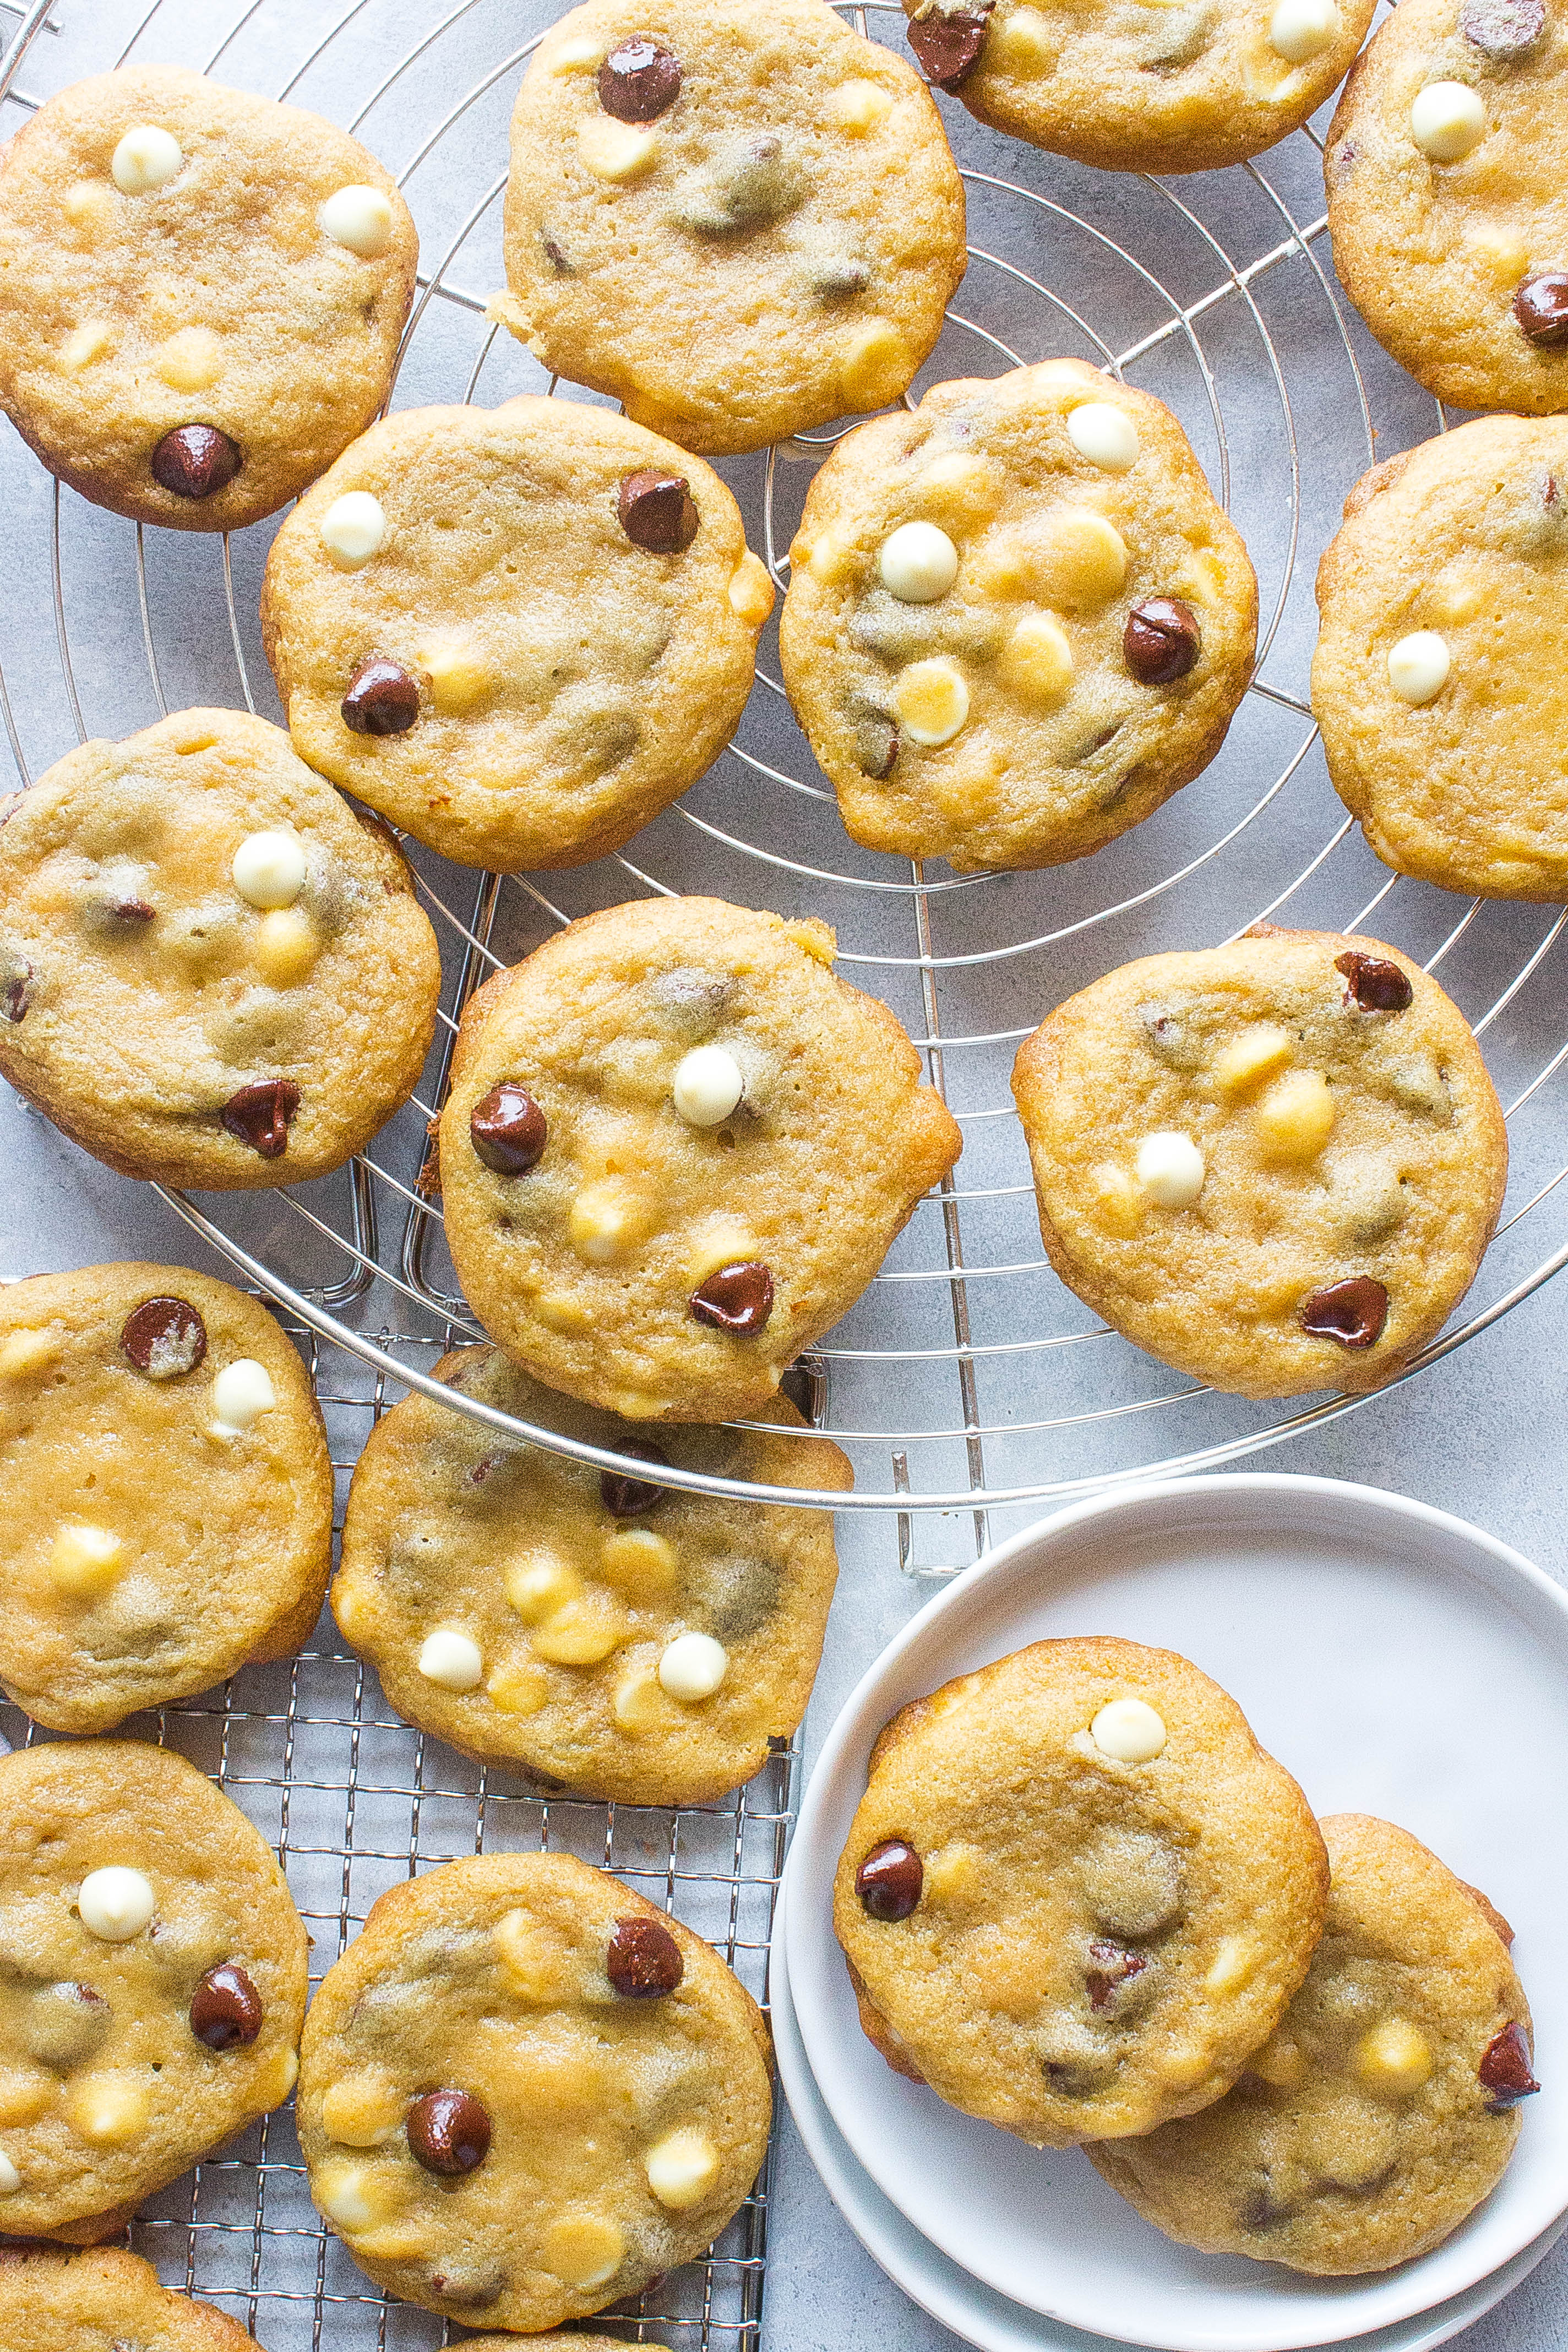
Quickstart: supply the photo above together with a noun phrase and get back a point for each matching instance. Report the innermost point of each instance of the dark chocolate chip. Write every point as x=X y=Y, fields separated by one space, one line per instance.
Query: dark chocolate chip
x=1374 y=982
x=836 y=274
x=737 y=1298
x=226 y=2009
x=195 y=460
x=1502 y=30
x=658 y=511
x=1504 y=2070
x=259 y=1115
x=1344 y=159
x=947 y=44
x=163 y=1338
x=508 y=1129
x=633 y=1498
x=382 y=699
x=1114 y=1966
x=1162 y=640
x=644 y=1961
x=1352 y=1312
x=554 y=254
x=15 y=998
x=486 y=2283
x=890 y=1879
x=1541 y=306
x=65 y=2024
x=877 y=746
x=638 y=80
x=448 y=2132
x=129 y=910
x=1264 y=2207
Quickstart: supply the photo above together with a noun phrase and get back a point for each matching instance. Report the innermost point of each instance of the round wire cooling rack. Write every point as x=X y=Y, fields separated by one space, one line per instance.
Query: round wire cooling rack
x=967 y=1375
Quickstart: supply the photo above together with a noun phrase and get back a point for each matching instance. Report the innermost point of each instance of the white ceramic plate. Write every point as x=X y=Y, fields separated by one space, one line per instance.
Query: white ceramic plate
x=977 y=2313
x=1398 y=1662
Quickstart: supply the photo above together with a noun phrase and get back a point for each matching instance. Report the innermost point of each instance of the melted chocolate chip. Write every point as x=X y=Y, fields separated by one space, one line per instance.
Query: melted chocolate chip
x=657 y=512
x=129 y=910
x=947 y=44
x=470 y=2288
x=1504 y=2071
x=508 y=1129
x=644 y=1960
x=382 y=699
x=554 y=255
x=1374 y=982
x=1502 y=30
x=163 y=1338
x=633 y=1498
x=1162 y=640
x=877 y=746
x=448 y=2132
x=1352 y=1312
x=16 y=999
x=226 y=2009
x=1541 y=307
x=890 y=1879
x=65 y=2024
x=195 y=460
x=638 y=80
x=1114 y=1966
x=1264 y=2207
x=737 y=1298
x=259 y=1115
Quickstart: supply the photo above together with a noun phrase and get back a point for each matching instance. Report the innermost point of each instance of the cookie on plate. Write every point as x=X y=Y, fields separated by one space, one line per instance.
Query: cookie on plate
x=1385 y=2106
x=211 y=972
x=104 y=2298
x=170 y=1494
x=152 y=1987
x=1017 y=621
x=518 y=632
x=201 y=294
x=1274 y=1164
x=1177 y=87
x=1447 y=206
x=792 y=180
x=1443 y=641
x=676 y=1150
x=524 y=2092
x=1077 y=1894
x=626 y=1640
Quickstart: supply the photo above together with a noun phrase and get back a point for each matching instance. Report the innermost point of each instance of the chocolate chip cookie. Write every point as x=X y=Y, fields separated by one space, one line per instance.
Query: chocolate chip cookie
x=1446 y=202
x=1442 y=648
x=626 y=1640
x=524 y=2092
x=201 y=294
x=212 y=973
x=152 y=1982
x=104 y=2300
x=792 y=180
x=1183 y=86
x=1274 y=1165
x=170 y=1493
x=518 y=632
x=676 y=1150
x=1077 y=1894
x=1384 y=2107
x=1016 y=620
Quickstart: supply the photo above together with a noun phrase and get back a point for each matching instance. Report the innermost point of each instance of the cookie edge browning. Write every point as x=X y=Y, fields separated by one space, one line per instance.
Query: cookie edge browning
x=1089 y=1652
x=1353 y=1373
x=415 y=1903
x=193 y=2325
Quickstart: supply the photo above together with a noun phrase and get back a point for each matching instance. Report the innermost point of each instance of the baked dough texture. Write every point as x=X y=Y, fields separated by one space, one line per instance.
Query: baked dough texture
x=1364 y=2130
x=619 y=2070
x=214 y=299
x=1042 y=743
x=94 y=2301
x=772 y=247
x=1266 y=1179
x=1103 y=1927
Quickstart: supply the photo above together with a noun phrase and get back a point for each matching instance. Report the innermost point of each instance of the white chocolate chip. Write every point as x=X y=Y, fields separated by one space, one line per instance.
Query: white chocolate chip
x=577 y=56
x=1105 y=434
x=85 y=1561
x=1392 y=2059
x=146 y=158
x=268 y=868
x=1128 y=1729
x=931 y=701
x=693 y=1666
x=355 y=2197
x=285 y=946
x=451 y=1659
x=353 y=529
x=242 y=1393
x=1170 y=1170
x=586 y=2250
x=607 y=1219
x=359 y=217
x=1299 y=29
x=613 y=149
x=708 y=1085
x=111 y=2110
x=681 y=2169
x=115 y=1903
x=10 y=2179
x=1418 y=666
x=1447 y=120
x=1232 y=1966
x=917 y=563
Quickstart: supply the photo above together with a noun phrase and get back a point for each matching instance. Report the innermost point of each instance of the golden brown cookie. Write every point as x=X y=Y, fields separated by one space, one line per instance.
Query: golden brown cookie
x=100 y=2300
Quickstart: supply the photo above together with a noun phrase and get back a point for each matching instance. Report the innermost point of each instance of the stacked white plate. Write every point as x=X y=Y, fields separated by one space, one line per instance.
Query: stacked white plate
x=1398 y=1662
